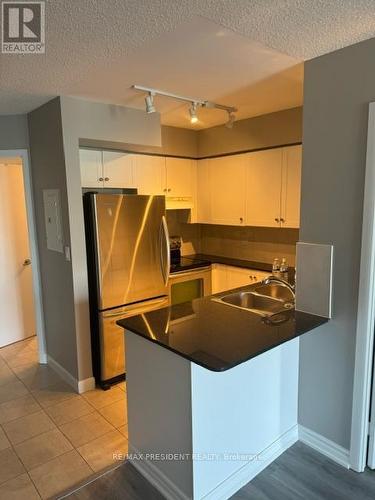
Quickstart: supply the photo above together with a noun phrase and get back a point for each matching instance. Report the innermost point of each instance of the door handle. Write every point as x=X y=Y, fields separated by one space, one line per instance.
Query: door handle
x=166 y=263
x=27 y=262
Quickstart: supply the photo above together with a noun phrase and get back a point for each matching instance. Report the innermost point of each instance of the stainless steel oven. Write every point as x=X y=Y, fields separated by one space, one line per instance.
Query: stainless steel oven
x=189 y=285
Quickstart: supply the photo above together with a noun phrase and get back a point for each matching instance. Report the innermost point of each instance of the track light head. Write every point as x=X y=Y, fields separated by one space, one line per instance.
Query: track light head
x=193 y=113
x=149 y=100
x=231 y=118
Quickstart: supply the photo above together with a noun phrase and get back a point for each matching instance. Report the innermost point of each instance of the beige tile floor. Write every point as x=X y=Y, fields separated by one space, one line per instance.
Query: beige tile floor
x=51 y=438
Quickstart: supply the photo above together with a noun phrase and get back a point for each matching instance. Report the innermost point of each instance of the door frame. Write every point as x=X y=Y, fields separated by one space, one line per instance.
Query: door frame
x=365 y=313
x=36 y=278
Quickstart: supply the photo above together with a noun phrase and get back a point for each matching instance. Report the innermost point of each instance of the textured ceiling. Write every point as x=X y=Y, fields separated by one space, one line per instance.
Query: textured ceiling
x=214 y=49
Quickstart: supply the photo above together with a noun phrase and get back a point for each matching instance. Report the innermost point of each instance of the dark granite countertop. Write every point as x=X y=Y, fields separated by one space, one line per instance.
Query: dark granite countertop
x=217 y=336
x=228 y=261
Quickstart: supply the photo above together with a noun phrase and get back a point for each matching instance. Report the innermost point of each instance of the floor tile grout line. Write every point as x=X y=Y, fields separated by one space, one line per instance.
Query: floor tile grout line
x=35 y=485
x=39 y=465
x=91 y=440
x=24 y=416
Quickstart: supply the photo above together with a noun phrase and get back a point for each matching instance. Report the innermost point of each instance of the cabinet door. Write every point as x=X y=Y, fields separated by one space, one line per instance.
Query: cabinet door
x=203 y=191
x=227 y=185
x=239 y=277
x=91 y=166
x=291 y=187
x=149 y=174
x=118 y=169
x=264 y=173
x=180 y=177
x=219 y=281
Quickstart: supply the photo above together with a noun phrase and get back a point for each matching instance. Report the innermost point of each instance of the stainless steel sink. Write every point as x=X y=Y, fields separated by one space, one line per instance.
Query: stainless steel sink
x=275 y=290
x=264 y=304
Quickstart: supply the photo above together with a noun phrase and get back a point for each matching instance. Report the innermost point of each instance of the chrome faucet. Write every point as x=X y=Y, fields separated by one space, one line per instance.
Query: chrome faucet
x=275 y=279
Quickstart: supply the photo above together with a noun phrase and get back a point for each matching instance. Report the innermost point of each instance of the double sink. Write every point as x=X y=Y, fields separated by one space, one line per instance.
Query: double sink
x=264 y=299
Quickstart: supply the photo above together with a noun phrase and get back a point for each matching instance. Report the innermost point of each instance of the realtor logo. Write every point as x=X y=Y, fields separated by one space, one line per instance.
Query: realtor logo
x=23 y=28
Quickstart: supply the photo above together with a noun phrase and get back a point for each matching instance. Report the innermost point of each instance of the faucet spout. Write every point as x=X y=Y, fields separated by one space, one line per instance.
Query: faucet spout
x=275 y=279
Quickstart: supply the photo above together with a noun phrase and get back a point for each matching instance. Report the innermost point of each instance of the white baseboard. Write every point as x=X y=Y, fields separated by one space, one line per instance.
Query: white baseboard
x=154 y=476
x=241 y=477
x=88 y=384
x=325 y=446
x=78 y=385
x=230 y=485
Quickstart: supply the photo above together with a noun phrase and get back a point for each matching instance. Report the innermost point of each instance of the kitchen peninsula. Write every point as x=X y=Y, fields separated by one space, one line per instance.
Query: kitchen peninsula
x=212 y=394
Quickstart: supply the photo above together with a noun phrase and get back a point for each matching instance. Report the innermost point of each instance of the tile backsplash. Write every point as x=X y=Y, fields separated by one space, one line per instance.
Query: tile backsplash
x=260 y=244
x=252 y=243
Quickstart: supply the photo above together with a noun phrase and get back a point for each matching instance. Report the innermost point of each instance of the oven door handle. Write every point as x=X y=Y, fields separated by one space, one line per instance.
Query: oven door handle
x=165 y=263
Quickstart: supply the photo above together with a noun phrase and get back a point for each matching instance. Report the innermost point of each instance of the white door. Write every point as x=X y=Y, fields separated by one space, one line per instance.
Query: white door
x=291 y=187
x=263 y=206
x=180 y=177
x=118 y=169
x=91 y=165
x=149 y=174
x=228 y=190
x=16 y=290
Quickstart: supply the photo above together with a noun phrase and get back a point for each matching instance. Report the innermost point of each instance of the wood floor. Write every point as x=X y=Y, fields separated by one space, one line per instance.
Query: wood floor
x=299 y=474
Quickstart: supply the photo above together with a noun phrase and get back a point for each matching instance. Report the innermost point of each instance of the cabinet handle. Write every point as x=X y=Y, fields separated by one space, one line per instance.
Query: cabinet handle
x=101 y=179
x=282 y=220
x=241 y=219
x=106 y=178
x=169 y=190
x=277 y=220
x=165 y=190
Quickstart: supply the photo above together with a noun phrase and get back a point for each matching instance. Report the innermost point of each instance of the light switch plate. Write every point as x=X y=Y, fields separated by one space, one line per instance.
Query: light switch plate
x=52 y=218
x=314 y=278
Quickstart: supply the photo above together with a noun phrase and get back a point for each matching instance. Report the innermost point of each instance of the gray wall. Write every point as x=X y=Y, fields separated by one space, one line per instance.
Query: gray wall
x=274 y=129
x=13 y=132
x=179 y=141
x=338 y=89
x=48 y=171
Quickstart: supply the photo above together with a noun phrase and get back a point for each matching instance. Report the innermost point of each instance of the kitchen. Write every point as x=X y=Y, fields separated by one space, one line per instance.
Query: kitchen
x=199 y=205
x=164 y=233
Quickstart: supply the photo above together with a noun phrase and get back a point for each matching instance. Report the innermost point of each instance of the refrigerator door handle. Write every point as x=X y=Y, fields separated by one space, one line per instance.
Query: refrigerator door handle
x=164 y=239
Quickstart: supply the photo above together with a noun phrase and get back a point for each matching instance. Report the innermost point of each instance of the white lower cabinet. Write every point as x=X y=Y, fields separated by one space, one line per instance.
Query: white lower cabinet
x=228 y=277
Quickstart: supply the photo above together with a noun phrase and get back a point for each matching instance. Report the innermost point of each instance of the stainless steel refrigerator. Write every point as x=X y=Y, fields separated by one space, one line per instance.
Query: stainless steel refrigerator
x=128 y=267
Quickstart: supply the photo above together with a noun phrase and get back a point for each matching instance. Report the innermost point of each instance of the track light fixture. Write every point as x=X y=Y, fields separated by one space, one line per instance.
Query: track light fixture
x=149 y=99
x=194 y=103
x=193 y=112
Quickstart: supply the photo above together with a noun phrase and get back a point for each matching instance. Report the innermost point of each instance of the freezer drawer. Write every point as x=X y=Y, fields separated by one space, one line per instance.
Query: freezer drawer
x=111 y=336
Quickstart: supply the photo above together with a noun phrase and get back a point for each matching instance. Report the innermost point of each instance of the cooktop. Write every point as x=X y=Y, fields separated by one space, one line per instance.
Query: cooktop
x=185 y=264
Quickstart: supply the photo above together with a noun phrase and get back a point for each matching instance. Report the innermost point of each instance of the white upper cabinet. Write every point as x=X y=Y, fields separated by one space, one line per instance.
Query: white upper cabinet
x=150 y=174
x=91 y=166
x=118 y=169
x=291 y=187
x=180 y=174
x=264 y=174
x=203 y=191
x=227 y=185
